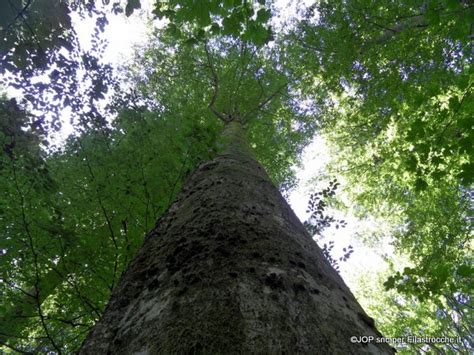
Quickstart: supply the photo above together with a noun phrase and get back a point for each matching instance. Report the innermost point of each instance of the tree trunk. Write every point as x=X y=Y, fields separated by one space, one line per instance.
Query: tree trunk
x=230 y=269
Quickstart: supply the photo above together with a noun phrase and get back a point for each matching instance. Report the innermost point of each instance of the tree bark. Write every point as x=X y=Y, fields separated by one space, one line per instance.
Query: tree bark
x=230 y=269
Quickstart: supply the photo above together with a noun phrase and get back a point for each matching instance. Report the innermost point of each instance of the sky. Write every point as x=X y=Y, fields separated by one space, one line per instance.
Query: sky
x=123 y=34
x=315 y=158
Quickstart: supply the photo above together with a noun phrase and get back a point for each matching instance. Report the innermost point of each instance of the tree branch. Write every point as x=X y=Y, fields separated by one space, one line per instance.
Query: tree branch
x=264 y=102
x=215 y=81
x=413 y=22
x=35 y=260
x=20 y=13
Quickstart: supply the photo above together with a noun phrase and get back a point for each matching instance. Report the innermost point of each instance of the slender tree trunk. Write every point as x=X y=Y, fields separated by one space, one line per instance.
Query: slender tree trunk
x=230 y=269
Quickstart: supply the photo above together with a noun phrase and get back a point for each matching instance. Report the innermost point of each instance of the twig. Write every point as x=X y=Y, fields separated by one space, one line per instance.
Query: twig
x=243 y=67
x=107 y=219
x=2 y=343
x=178 y=177
x=451 y=120
x=20 y=13
x=35 y=259
x=264 y=102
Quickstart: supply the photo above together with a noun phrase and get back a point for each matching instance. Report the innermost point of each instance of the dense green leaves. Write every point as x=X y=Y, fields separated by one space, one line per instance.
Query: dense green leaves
x=131 y=6
x=198 y=19
x=394 y=80
x=399 y=118
x=107 y=189
x=231 y=77
x=400 y=317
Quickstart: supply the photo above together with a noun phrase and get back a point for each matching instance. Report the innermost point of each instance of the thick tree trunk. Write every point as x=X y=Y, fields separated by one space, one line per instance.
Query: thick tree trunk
x=230 y=269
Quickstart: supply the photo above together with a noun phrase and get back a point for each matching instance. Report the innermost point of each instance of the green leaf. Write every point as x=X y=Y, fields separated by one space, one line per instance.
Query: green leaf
x=442 y=273
x=173 y=30
x=420 y=185
x=232 y=26
x=432 y=16
x=263 y=15
x=184 y=14
x=453 y=102
x=215 y=28
x=228 y=4
x=132 y=5
x=464 y=270
x=8 y=13
x=389 y=283
x=452 y=4
x=411 y=163
x=201 y=12
x=191 y=41
x=467 y=173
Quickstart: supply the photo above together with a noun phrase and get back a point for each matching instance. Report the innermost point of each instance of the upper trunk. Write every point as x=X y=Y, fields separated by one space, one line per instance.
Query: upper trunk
x=230 y=269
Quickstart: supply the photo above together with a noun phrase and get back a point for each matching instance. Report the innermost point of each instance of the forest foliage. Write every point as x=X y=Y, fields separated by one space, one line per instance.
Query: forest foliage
x=387 y=83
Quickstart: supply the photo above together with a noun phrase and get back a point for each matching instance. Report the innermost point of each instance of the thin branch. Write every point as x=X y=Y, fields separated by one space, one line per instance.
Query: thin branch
x=107 y=219
x=20 y=13
x=46 y=330
x=71 y=322
x=13 y=286
x=35 y=259
x=215 y=84
x=96 y=273
x=243 y=67
x=264 y=102
x=451 y=120
x=413 y=22
x=18 y=350
x=85 y=300
x=178 y=177
x=393 y=30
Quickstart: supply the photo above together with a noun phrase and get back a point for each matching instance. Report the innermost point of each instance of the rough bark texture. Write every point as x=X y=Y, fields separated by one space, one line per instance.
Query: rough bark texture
x=230 y=269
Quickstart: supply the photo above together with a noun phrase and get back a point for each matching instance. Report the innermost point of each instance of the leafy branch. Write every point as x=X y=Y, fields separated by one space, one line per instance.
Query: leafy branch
x=266 y=101
x=215 y=82
x=319 y=220
x=34 y=253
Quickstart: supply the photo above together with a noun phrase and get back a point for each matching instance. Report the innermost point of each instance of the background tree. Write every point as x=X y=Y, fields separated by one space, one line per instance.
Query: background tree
x=394 y=119
x=397 y=113
x=448 y=316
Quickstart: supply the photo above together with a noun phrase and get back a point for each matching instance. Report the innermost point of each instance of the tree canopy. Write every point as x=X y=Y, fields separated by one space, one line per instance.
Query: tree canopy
x=388 y=84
